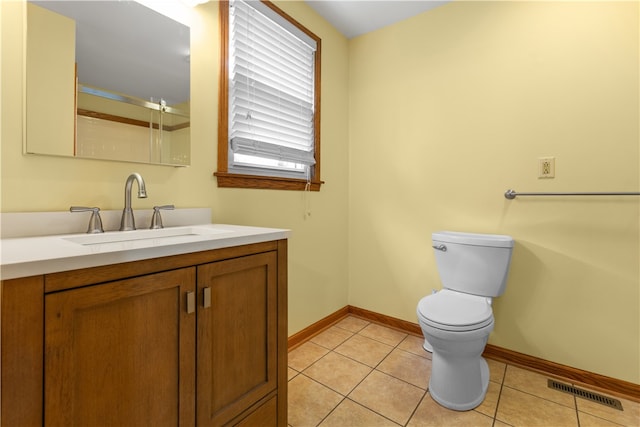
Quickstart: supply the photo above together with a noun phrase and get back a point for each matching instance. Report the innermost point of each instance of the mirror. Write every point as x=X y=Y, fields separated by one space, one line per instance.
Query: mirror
x=107 y=80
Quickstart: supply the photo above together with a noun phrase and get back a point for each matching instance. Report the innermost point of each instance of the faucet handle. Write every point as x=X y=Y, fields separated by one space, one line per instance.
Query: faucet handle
x=156 y=219
x=95 y=222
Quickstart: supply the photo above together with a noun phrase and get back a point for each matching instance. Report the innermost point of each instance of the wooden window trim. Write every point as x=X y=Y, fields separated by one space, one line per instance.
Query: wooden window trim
x=233 y=180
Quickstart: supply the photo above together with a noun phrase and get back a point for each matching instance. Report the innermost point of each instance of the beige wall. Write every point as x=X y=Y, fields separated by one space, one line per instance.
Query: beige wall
x=453 y=107
x=39 y=183
x=477 y=92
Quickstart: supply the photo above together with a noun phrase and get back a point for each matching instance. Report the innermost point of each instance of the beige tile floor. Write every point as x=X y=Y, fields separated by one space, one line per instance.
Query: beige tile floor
x=358 y=373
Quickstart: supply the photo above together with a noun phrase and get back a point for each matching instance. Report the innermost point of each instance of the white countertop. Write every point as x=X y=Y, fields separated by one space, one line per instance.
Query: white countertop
x=30 y=256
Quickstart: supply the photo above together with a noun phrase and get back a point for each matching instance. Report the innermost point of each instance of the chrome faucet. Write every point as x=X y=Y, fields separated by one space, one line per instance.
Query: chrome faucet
x=128 y=222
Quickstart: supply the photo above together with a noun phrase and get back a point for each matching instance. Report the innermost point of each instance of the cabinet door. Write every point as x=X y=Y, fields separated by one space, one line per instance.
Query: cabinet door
x=237 y=347
x=122 y=353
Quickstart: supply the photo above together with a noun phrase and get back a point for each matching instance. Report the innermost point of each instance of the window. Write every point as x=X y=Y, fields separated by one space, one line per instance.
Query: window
x=269 y=107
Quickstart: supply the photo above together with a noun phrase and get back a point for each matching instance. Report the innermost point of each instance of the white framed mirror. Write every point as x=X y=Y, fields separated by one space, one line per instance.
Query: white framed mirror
x=106 y=80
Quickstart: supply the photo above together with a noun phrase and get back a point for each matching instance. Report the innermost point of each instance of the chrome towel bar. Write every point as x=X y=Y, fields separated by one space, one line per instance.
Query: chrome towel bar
x=511 y=194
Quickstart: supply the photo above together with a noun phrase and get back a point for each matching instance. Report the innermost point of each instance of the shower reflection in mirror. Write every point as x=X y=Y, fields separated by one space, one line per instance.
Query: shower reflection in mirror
x=120 y=127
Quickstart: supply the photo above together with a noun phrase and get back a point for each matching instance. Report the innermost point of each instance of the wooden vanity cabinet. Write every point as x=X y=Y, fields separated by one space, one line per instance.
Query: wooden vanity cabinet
x=197 y=339
x=121 y=353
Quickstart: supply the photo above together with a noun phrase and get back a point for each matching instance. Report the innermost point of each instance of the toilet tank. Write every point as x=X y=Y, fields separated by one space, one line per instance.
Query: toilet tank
x=473 y=263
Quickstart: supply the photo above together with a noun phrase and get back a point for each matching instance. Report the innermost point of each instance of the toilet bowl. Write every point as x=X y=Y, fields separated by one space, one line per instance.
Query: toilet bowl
x=460 y=376
x=456 y=321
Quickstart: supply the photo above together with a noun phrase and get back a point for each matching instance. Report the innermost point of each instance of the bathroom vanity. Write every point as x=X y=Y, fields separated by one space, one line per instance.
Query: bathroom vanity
x=182 y=329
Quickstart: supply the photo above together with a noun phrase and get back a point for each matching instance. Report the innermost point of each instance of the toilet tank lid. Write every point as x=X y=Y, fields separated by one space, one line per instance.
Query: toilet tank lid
x=476 y=239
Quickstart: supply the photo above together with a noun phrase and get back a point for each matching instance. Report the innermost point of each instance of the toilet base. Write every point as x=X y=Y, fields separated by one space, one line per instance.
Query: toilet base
x=459 y=388
x=426 y=346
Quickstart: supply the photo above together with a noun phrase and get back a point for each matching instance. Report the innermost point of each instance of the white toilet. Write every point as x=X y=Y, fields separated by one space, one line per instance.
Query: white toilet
x=456 y=321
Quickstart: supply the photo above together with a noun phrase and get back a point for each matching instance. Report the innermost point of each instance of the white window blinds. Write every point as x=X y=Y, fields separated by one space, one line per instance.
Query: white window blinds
x=271 y=91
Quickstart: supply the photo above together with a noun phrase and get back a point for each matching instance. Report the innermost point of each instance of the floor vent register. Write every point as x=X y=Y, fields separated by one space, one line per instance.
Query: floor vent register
x=585 y=394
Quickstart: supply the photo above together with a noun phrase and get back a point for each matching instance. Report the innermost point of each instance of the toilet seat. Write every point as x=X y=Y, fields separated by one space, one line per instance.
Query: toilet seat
x=455 y=311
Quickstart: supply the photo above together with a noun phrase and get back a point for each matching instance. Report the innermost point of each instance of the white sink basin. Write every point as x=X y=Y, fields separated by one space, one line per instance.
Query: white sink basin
x=175 y=234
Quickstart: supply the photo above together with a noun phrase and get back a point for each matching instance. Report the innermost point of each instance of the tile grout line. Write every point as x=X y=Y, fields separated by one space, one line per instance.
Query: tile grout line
x=345 y=397
x=495 y=413
x=424 y=396
x=333 y=409
x=575 y=403
x=326 y=386
x=375 y=368
x=375 y=412
x=393 y=347
x=540 y=397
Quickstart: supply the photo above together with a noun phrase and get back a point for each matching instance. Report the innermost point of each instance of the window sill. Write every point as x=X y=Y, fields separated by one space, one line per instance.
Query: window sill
x=228 y=180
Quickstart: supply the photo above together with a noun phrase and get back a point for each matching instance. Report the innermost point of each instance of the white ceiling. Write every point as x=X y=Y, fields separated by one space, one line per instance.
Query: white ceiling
x=356 y=17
